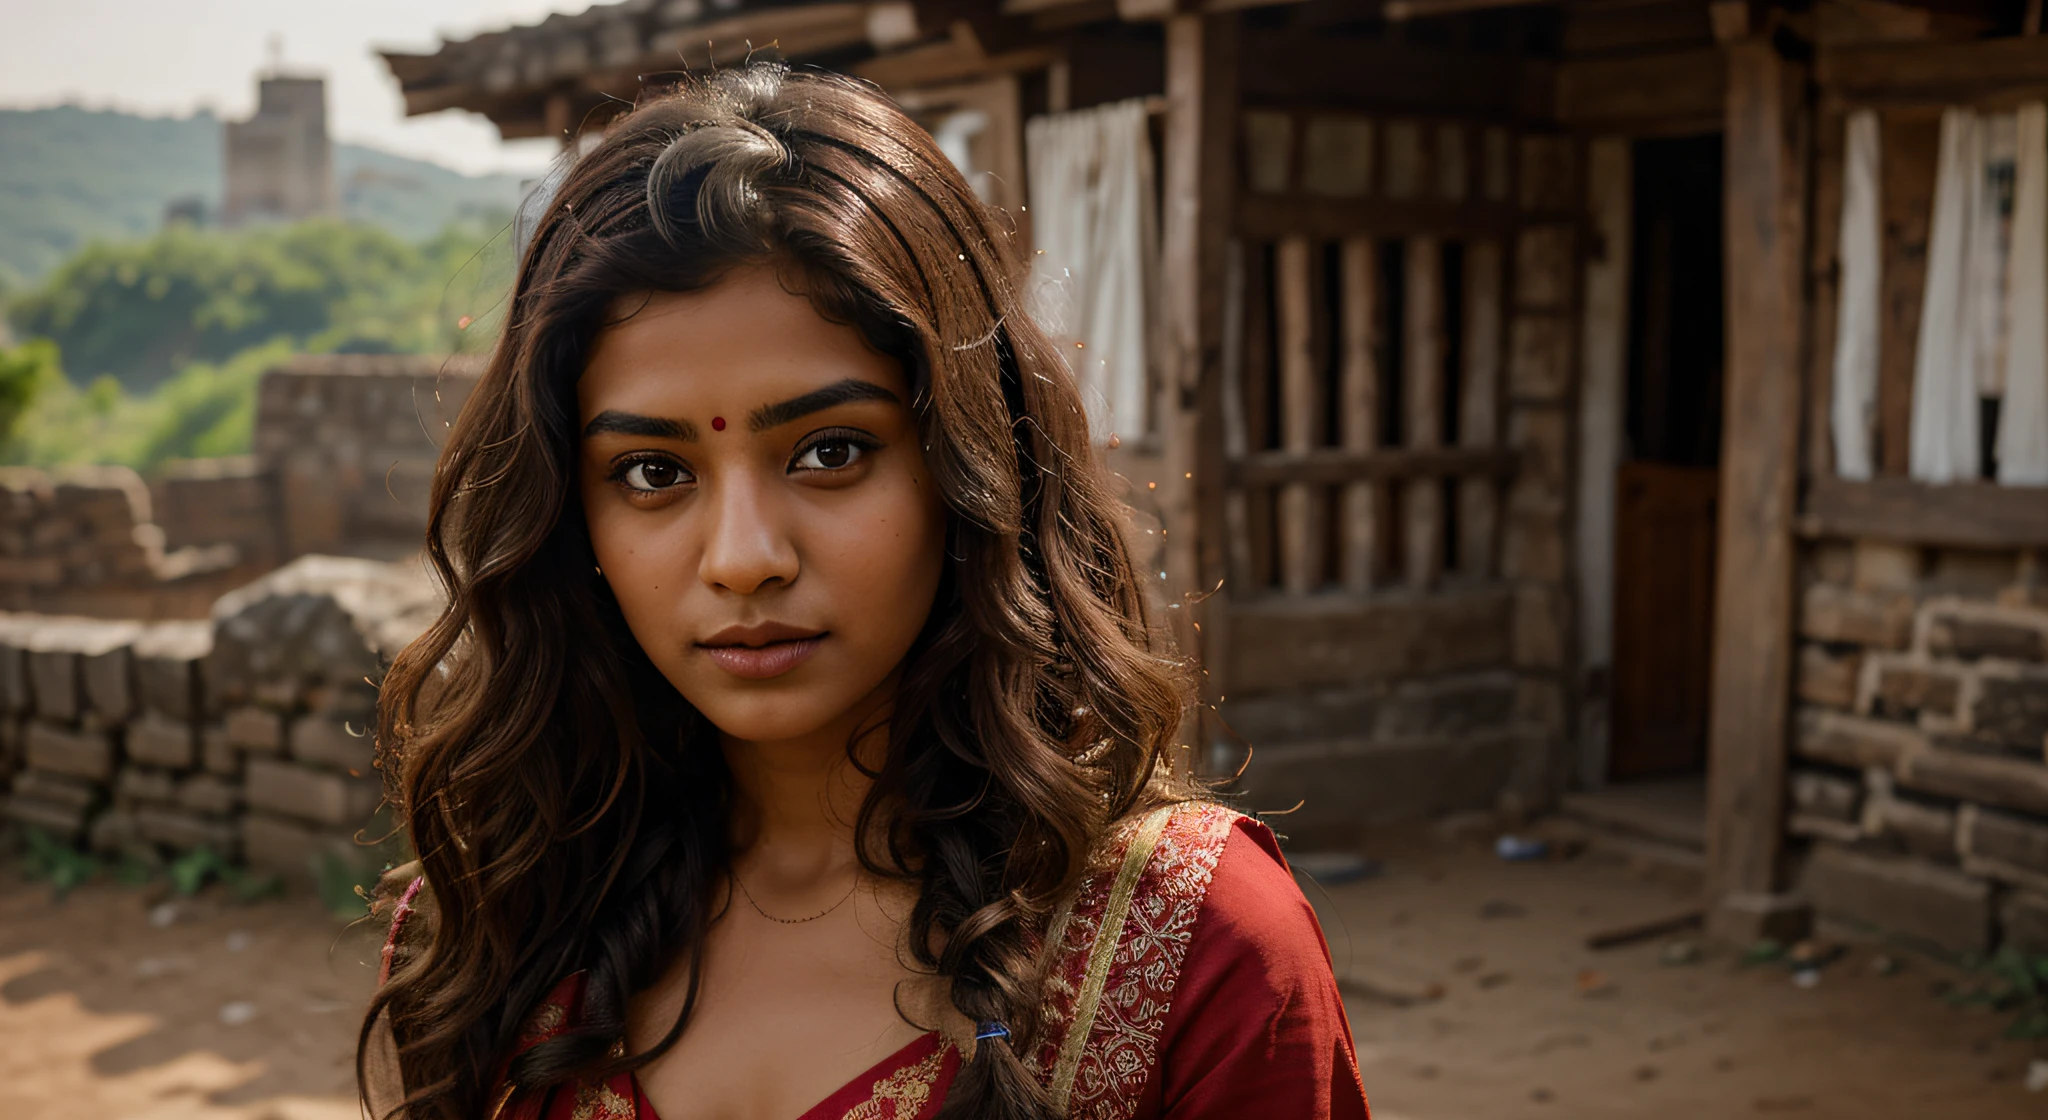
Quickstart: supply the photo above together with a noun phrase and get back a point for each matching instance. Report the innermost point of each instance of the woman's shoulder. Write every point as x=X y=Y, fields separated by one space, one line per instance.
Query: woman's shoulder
x=1159 y=859
x=1220 y=876
x=1255 y=914
x=1257 y=1025
x=1199 y=853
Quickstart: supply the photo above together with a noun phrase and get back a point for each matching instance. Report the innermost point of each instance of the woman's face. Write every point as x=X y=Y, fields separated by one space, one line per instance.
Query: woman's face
x=755 y=492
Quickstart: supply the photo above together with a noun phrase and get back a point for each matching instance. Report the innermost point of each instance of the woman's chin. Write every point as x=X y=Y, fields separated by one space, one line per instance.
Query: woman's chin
x=768 y=719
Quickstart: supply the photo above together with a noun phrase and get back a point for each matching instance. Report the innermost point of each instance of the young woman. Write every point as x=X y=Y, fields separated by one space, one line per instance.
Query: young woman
x=794 y=745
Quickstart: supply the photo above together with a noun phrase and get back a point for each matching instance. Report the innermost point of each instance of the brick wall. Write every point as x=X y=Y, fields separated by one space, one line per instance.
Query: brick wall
x=1920 y=777
x=247 y=733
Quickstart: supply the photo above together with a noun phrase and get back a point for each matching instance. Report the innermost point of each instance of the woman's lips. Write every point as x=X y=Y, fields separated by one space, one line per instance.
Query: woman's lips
x=762 y=662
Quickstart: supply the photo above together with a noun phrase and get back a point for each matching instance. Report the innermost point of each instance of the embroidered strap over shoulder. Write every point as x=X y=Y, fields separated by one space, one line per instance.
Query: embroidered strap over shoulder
x=399 y=914
x=1116 y=953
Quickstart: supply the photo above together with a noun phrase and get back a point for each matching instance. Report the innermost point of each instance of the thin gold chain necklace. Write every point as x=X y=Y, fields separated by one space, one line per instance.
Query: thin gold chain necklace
x=749 y=896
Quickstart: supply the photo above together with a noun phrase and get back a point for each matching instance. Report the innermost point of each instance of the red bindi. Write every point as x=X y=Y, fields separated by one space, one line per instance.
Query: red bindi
x=718 y=423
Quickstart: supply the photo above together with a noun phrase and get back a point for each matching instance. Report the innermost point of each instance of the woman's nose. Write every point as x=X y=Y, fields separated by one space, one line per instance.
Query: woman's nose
x=747 y=545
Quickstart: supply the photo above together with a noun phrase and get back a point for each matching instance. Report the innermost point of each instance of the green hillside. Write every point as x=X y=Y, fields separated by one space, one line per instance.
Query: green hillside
x=71 y=176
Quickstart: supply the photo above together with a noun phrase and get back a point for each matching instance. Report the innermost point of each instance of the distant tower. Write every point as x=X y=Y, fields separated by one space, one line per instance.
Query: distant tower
x=280 y=162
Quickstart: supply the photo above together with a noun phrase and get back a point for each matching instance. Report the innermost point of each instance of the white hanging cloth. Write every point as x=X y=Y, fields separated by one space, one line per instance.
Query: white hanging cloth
x=1854 y=403
x=1094 y=221
x=1944 y=437
x=2023 y=417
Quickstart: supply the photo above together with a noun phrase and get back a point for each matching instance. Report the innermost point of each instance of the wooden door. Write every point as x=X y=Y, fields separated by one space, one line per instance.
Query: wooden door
x=1663 y=617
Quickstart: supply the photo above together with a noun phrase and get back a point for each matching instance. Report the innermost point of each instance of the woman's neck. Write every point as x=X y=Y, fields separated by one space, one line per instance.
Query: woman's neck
x=797 y=800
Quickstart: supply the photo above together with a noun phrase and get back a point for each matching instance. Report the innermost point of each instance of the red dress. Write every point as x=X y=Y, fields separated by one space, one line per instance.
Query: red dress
x=1190 y=981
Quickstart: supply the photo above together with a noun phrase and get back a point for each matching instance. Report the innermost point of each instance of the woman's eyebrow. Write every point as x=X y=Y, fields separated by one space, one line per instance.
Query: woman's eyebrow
x=634 y=424
x=839 y=392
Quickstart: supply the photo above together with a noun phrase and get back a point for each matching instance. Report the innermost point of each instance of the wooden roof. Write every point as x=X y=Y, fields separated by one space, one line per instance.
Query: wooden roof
x=607 y=50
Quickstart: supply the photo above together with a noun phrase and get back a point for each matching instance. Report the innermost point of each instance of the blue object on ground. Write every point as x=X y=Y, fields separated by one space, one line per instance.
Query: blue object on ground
x=1331 y=868
x=1520 y=849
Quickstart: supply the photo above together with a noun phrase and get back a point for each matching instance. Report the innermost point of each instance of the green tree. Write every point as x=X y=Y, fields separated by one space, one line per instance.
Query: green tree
x=208 y=409
x=164 y=340
x=143 y=311
x=25 y=372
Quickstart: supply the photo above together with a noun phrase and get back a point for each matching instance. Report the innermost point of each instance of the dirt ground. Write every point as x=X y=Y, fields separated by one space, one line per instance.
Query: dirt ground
x=1473 y=996
x=1531 y=1023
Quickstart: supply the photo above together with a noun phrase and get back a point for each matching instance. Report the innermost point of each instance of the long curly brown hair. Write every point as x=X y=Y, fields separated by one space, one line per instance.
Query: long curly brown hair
x=570 y=808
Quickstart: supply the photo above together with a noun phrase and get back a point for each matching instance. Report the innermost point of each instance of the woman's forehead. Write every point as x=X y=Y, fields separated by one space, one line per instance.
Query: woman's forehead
x=746 y=340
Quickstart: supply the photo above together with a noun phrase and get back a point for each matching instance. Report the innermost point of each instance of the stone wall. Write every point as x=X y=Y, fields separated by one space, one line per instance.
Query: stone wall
x=345 y=452
x=352 y=440
x=247 y=733
x=82 y=540
x=1920 y=777
x=210 y=502
x=86 y=525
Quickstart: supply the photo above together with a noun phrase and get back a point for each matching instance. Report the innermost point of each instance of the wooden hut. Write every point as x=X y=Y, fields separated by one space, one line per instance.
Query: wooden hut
x=1493 y=429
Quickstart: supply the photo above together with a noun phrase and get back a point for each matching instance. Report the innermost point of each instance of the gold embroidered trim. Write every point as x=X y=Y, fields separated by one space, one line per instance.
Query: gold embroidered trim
x=1106 y=936
x=905 y=1091
x=599 y=1101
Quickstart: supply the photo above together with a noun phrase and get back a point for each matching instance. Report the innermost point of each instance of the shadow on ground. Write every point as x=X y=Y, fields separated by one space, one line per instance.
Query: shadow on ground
x=119 y=1001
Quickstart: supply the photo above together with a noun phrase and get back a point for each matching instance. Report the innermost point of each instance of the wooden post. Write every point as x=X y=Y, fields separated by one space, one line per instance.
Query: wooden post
x=1361 y=389
x=1198 y=191
x=1909 y=150
x=1767 y=166
x=1301 y=553
x=558 y=113
x=1237 y=527
x=1829 y=145
x=1603 y=376
x=1422 y=389
x=1479 y=406
x=1258 y=545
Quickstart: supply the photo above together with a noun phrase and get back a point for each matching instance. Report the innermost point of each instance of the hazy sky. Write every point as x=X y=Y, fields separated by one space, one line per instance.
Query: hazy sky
x=169 y=57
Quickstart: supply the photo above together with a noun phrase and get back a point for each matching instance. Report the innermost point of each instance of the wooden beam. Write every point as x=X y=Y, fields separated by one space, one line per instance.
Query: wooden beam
x=457 y=75
x=1613 y=29
x=1199 y=180
x=1662 y=93
x=1862 y=22
x=1401 y=11
x=1332 y=466
x=1289 y=643
x=1766 y=246
x=1277 y=215
x=2008 y=70
x=1145 y=11
x=1333 y=70
x=950 y=61
x=1966 y=515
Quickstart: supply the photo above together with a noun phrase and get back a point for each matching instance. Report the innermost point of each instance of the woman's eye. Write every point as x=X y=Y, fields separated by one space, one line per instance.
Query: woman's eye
x=830 y=455
x=650 y=475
